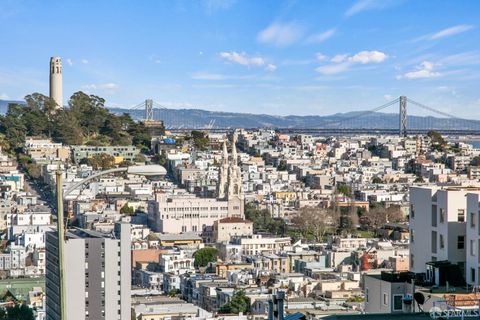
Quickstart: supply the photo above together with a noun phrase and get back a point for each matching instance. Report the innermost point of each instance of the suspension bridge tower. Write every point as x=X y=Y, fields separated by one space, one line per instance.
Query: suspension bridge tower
x=403 y=116
x=155 y=128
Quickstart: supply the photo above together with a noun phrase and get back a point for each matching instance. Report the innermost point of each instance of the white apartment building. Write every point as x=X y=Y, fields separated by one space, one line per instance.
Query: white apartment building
x=438 y=231
x=259 y=245
x=473 y=239
x=188 y=213
x=176 y=263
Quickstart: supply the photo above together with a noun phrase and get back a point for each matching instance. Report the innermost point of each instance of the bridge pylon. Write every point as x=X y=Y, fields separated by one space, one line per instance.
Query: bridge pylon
x=149 y=110
x=403 y=116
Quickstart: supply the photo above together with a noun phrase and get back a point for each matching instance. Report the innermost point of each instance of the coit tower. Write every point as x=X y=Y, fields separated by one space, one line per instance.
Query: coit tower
x=56 y=81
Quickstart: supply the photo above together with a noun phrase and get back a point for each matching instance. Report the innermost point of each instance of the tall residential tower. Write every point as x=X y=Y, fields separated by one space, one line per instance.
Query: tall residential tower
x=56 y=92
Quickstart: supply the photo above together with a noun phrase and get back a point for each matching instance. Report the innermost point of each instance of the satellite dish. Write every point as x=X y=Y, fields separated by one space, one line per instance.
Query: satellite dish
x=419 y=298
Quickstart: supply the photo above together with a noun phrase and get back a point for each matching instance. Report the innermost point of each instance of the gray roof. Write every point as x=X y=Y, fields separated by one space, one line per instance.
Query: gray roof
x=180 y=236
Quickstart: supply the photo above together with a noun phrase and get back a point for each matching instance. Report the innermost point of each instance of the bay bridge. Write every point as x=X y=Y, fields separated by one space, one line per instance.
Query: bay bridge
x=371 y=121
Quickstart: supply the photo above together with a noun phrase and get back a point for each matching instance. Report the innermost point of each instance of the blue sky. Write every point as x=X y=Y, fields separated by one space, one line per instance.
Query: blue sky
x=277 y=57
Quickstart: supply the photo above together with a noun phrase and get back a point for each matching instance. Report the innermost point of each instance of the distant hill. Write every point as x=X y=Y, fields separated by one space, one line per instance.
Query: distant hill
x=197 y=118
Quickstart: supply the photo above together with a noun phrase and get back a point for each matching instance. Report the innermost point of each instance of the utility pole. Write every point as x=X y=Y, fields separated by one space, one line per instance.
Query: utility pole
x=61 y=245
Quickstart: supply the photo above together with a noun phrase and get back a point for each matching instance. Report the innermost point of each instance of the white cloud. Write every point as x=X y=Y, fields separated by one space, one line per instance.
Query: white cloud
x=321 y=57
x=365 y=5
x=243 y=59
x=343 y=62
x=339 y=58
x=359 y=6
x=109 y=86
x=280 y=35
x=320 y=37
x=424 y=71
x=365 y=57
x=84 y=61
x=70 y=62
x=388 y=97
x=271 y=67
x=4 y=96
x=451 y=31
x=330 y=69
x=207 y=76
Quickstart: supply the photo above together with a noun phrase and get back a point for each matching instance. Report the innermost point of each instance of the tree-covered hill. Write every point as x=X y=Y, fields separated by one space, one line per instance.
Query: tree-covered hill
x=85 y=121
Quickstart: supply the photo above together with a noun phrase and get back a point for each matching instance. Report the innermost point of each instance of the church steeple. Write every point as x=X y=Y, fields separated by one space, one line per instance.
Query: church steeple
x=234 y=174
x=223 y=173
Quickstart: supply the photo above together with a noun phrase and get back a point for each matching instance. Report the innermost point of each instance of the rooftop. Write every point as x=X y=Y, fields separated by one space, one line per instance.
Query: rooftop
x=234 y=220
x=181 y=236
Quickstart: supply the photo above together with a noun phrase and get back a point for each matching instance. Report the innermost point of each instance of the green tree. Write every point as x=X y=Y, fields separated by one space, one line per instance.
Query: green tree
x=101 y=161
x=419 y=180
x=67 y=129
x=239 y=303
x=282 y=165
x=377 y=180
x=140 y=158
x=173 y=293
x=200 y=139
x=344 y=189
x=17 y=312
x=127 y=210
x=204 y=256
x=263 y=221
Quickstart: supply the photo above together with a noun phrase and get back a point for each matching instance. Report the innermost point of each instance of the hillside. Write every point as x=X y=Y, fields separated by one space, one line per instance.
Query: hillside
x=198 y=118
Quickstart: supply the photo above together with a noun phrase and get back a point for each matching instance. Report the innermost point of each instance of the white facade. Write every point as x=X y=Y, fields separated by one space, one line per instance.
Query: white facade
x=176 y=263
x=473 y=240
x=438 y=219
x=56 y=91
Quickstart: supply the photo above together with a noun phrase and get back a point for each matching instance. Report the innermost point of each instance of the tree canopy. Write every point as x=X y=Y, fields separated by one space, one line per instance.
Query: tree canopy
x=127 y=210
x=17 y=312
x=239 y=303
x=263 y=220
x=100 y=161
x=85 y=121
x=204 y=256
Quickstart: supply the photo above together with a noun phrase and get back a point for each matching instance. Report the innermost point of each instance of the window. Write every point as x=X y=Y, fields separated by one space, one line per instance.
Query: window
x=461 y=242
x=412 y=257
x=472 y=247
x=434 y=241
x=472 y=275
x=385 y=299
x=461 y=215
x=434 y=215
x=442 y=242
x=397 y=302
x=442 y=215
x=472 y=219
x=366 y=295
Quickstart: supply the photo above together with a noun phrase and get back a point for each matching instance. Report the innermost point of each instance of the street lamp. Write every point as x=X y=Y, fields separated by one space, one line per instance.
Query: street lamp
x=150 y=171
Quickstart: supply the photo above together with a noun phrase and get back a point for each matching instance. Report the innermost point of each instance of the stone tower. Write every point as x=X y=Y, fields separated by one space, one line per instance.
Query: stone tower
x=222 y=186
x=56 y=91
